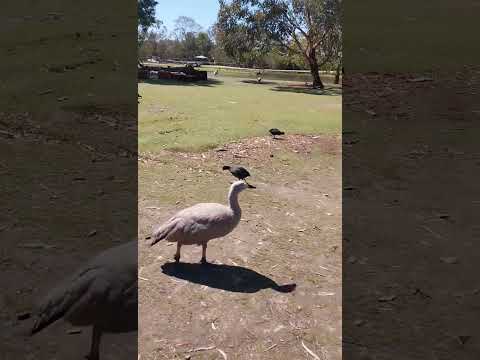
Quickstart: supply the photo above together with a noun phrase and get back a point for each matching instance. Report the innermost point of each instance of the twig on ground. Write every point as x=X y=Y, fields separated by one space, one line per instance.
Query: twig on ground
x=433 y=232
x=50 y=192
x=38 y=245
x=271 y=347
x=222 y=353
x=202 y=349
x=315 y=356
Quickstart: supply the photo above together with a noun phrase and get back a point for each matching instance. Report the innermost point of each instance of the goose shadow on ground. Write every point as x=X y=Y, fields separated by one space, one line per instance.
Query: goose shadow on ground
x=224 y=277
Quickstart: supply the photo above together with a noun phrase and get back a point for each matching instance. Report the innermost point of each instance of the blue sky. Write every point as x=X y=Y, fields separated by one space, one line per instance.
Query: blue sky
x=204 y=12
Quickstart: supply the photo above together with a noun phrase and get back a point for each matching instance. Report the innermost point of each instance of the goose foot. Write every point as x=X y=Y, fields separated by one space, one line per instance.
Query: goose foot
x=204 y=261
x=177 y=258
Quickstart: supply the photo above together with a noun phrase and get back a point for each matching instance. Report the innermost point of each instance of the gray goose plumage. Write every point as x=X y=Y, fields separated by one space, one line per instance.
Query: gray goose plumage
x=200 y=223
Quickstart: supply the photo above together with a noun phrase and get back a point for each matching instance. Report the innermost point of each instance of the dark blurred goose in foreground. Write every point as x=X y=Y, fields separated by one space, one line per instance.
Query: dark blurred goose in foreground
x=238 y=171
x=275 y=132
x=102 y=294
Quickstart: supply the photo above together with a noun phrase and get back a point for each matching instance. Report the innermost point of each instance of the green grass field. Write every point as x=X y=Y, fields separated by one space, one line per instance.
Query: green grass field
x=192 y=117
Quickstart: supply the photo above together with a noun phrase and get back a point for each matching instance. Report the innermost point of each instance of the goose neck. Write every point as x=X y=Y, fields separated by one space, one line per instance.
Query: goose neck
x=233 y=201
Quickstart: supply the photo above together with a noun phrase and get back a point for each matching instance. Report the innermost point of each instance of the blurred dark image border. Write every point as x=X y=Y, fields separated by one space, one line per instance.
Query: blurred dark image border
x=68 y=164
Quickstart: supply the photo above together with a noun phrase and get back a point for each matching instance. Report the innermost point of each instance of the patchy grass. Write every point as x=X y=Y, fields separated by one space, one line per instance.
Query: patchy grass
x=193 y=117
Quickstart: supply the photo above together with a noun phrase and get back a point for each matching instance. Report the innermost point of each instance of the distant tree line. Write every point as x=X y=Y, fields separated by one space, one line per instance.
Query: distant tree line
x=276 y=34
x=188 y=40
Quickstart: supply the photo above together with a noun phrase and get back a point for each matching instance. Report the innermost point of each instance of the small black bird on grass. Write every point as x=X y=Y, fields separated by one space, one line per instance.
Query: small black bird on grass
x=239 y=172
x=276 y=132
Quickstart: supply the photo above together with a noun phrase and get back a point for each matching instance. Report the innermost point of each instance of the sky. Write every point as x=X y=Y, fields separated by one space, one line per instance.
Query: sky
x=204 y=12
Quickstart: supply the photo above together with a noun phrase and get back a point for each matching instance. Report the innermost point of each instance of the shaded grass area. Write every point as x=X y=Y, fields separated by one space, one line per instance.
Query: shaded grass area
x=198 y=116
x=167 y=82
x=266 y=74
x=330 y=91
x=249 y=73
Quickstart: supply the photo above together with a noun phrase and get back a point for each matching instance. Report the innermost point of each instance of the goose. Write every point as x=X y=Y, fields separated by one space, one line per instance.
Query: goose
x=102 y=294
x=276 y=132
x=238 y=171
x=200 y=223
x=216 y=72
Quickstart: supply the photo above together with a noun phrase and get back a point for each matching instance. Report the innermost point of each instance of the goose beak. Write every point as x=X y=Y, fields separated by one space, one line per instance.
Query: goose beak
x=251 y=186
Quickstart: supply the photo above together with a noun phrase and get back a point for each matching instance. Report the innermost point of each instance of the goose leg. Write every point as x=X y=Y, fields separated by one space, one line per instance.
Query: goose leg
x=95 y=347
x=177 y=254
x=204 y=254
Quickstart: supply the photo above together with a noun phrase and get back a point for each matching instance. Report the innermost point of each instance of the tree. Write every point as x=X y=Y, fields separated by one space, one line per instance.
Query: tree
x=338 y=54
x=189 y=46
x=307 y=27
x=204 y=44
x=185 y=25
x=153 y=44
x=146 y=18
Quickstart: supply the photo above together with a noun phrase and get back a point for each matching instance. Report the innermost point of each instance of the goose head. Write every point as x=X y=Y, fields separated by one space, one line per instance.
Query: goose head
x=239 y=186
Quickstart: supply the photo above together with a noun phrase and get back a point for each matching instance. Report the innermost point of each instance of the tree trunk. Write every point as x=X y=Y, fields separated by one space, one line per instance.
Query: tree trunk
x=337 y=74
x=312 y=62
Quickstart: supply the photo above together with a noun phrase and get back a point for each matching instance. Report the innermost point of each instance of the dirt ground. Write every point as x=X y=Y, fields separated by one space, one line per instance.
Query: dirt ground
x=64 y=195
x=410 y=215
x=242 y=307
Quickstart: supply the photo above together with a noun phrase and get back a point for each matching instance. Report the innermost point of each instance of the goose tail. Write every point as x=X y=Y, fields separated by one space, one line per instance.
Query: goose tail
x=164 y=231
x=61 y=299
